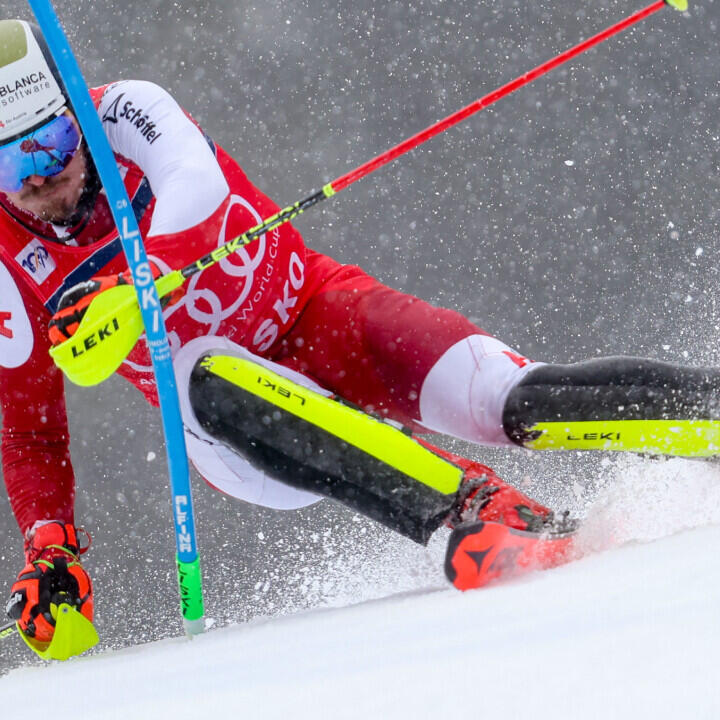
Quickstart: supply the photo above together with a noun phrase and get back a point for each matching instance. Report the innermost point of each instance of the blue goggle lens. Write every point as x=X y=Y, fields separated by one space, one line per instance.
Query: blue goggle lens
x=46 y=151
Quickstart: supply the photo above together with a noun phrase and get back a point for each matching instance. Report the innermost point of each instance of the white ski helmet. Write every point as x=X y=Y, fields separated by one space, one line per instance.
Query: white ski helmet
x=31 y=90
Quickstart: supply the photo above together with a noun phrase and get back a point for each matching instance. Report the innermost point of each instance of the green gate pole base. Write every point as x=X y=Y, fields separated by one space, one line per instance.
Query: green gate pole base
x=191 y=601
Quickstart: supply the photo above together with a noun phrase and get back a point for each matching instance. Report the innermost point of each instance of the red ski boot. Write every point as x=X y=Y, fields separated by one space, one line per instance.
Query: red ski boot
x=499 y=532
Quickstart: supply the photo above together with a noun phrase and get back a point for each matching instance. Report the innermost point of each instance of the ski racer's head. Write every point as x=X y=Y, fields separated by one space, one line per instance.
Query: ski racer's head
x=43 y=163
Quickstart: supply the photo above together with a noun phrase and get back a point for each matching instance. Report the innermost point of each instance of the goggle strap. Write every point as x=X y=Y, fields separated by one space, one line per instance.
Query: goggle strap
x=34 y=128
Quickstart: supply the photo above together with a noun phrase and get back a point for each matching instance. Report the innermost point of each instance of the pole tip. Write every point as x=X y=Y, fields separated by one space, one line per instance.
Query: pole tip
x=680 y=5
x=194 y=627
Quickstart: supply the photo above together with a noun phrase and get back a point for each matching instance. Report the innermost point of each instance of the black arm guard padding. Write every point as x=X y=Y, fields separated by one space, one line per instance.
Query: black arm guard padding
x=612 y=388
x=296 y=452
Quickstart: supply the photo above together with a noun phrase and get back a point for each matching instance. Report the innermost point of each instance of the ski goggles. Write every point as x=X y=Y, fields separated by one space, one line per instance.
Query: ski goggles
x=44 y=151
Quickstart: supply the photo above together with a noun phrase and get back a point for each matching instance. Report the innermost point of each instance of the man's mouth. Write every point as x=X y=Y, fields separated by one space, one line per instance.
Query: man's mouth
x=44 y=191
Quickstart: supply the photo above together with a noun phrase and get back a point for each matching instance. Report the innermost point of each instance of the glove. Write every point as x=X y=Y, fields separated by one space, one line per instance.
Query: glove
x=53 y=575
x=74 y=302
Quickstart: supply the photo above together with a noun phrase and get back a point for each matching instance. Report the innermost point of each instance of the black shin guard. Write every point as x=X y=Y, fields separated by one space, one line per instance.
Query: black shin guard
x=316 y=443
x=599 y=404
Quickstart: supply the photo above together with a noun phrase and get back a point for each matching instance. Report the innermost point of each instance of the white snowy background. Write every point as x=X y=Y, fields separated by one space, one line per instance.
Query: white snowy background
x=577 y=217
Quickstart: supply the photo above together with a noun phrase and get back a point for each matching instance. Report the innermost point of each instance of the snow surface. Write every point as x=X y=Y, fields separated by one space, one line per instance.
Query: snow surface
x=629 y=631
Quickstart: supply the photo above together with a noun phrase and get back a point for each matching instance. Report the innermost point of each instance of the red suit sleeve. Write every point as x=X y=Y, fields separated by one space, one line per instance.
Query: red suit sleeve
x=35 y=443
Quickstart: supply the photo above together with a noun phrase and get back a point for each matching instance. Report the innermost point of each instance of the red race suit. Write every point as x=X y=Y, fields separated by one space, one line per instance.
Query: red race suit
x=280 y=300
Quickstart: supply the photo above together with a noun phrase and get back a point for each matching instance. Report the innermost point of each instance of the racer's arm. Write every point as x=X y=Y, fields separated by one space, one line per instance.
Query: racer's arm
x=40 y=483
x=145 y=125
x=35 y=444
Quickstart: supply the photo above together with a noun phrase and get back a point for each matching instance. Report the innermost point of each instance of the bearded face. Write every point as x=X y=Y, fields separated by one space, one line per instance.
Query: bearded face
x=53 y=199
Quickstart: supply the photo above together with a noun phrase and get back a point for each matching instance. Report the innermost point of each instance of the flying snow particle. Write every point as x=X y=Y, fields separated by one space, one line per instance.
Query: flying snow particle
x=569 y=163
x=150 y=456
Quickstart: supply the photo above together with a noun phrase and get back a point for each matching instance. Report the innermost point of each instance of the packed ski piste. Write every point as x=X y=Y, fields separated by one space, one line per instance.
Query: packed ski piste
x=298 y=378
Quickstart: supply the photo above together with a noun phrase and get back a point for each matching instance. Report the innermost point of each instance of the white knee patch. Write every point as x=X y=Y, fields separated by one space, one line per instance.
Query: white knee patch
x=465 y=391
x=223 y=468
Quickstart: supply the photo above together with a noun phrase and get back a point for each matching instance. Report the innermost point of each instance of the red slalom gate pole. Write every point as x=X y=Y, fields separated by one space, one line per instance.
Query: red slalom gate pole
x=292 y=211
x=457 y=117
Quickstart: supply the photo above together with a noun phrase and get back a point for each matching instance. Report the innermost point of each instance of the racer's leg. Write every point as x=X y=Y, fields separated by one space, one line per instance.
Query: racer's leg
x=308 y=441
x=431 y=368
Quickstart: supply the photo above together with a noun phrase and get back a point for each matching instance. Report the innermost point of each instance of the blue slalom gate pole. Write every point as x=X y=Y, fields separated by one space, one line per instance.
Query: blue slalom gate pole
x=188 y=560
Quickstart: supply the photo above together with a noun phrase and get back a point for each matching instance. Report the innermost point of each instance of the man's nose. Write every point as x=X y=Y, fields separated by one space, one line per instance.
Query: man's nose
x=36 y=180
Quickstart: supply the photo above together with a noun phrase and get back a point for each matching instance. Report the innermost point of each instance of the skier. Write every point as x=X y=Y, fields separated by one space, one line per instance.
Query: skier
x=348 y=351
